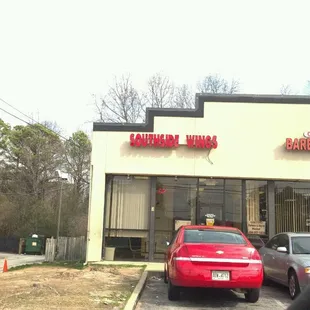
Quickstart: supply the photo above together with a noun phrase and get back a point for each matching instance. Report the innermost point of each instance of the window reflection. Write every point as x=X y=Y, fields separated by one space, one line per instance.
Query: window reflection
x=233 y=203
x=175 y=205
x=256 y=204
x=211 y=200
x=127 y=216
x=292 y=206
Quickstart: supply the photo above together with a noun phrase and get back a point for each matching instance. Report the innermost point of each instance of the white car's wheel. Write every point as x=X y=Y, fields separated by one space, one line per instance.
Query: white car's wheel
x=293 y=284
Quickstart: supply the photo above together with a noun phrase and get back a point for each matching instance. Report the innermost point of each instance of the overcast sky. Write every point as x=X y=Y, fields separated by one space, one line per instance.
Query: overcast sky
x=54 y=54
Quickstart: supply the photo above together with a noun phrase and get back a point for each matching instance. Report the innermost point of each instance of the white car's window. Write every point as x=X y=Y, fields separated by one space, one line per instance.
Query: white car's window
x=301 y=245
x=273 y=243
x=283 y=241
x=212 y=236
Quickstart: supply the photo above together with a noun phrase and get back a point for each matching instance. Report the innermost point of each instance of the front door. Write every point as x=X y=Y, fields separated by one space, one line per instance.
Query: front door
x=211 y=201
x=175 y=206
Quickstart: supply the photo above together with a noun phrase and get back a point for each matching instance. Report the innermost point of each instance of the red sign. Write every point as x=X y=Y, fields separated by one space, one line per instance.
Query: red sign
x=298 y=144
x=161 y=191
x=172 y=141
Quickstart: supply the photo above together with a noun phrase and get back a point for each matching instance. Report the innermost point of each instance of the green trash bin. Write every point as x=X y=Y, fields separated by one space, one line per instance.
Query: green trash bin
x=34 y=245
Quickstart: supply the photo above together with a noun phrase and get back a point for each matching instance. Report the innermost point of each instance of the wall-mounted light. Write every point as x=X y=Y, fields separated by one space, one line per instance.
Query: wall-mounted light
x=128 y=177
x=175 y=178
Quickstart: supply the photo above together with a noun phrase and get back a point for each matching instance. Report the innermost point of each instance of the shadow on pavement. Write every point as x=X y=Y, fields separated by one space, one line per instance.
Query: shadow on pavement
x=154 y=297
x=211 y=298
x=155 y=294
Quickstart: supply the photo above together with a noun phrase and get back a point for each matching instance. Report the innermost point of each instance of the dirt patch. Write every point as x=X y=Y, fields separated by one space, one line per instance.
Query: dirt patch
x=95 y=287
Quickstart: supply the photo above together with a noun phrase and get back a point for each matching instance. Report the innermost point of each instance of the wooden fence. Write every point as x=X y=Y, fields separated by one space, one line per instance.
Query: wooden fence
x=67 y=249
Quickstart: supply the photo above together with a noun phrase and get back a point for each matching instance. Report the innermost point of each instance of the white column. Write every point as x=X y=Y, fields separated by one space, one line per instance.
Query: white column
x=96 y=198
x=95 y=217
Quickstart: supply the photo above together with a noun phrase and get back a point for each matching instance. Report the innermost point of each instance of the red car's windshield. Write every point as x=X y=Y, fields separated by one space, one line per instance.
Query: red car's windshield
x=213 y=236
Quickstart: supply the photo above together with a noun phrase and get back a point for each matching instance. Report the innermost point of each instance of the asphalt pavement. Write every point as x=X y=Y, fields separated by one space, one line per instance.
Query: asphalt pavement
x=154 y=297
x=15 y=260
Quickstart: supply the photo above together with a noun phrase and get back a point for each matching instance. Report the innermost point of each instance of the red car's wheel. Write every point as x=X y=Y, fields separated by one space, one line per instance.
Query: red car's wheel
x=252 y=295
x=173 y=292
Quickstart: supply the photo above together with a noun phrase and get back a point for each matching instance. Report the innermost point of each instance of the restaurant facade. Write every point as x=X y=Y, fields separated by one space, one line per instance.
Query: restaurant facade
x=242 y=160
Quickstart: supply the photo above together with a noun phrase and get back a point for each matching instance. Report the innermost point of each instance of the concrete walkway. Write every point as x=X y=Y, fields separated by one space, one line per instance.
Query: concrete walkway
x=150 y=266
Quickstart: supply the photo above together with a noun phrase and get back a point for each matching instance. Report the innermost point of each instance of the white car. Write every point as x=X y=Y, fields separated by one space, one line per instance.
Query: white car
x=286 y=260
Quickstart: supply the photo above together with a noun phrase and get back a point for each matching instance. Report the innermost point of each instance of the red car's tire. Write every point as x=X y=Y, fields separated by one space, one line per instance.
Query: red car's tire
x=173 y=292
x=252 y=295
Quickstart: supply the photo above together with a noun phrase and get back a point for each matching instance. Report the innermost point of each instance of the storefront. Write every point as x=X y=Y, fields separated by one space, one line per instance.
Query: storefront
x=242 y=159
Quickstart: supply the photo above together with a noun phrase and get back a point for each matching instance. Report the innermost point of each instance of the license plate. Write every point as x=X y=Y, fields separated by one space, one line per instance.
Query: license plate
x=220 y=275
x=34 y=244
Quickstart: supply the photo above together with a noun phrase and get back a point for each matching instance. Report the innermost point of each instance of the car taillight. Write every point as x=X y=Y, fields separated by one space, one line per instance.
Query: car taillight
x=182 y=254
x=182 y=259
x=255 y=256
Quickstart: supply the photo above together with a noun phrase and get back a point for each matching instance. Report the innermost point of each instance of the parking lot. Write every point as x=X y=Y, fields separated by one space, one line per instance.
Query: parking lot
x=15 y=260
x=154 y=297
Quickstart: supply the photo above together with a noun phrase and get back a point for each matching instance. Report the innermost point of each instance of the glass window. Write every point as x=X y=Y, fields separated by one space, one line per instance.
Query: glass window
x=127 y=205
x=211 y=200
x=174 y=237
x=292 y=206
x=283 y=241
x=273 y=243
x=256 y=205
x=127 y=209
x=212 y=236
x=256 y=241
x=301 y=245
x=175 y=206
x=233 y=203
x=222 y=200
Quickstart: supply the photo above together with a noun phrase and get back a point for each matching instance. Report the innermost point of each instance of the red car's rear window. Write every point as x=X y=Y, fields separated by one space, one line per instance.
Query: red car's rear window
x=213 y=236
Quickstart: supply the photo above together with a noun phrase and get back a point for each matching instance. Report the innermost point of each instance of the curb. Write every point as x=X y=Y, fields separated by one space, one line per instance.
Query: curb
x=133 y=299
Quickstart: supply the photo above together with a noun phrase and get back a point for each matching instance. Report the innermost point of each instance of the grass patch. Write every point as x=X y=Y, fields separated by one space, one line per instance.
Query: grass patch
x=116 y=299
x=21 y=267
x=88 y=289
x=75 y=265
x=142 y=266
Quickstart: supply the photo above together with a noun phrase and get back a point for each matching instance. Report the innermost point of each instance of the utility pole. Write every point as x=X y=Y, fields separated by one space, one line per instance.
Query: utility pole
x=60 y=206
x=59 y=210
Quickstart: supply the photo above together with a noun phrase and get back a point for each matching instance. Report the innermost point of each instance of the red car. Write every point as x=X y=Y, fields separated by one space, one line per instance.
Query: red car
x=213 y=257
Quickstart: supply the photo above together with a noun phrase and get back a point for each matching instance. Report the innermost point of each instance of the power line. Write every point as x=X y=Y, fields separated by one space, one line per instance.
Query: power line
x=10 y=105
x=35 y=122
x=15 y=116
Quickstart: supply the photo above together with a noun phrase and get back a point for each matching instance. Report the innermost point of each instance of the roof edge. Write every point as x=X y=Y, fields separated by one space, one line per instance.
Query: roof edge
x=198 y=112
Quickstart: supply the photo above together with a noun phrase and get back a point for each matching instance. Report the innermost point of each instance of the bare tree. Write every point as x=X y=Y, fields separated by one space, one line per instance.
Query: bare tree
x=122 y=103
x=159 y=92
x=286 y=90
x=184 y=97
x=53 y=126
x=215 y=84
